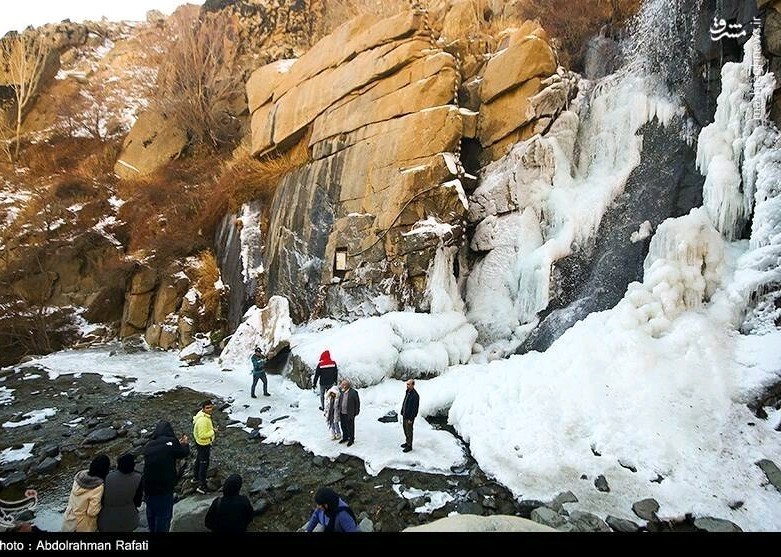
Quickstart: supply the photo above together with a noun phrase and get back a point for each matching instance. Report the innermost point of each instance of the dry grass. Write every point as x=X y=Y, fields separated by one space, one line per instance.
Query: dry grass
x=573 y=26
x=246 y=178
x=207 y=273
x=163 y=210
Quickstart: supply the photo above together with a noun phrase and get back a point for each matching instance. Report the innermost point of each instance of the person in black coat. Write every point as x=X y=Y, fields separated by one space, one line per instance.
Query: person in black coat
x=231 y=512
x=409 y=410
x=349 y=407
x=326 y=372
x=161 y=475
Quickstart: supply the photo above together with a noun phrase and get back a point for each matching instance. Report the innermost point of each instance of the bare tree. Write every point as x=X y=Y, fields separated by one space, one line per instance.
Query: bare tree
x=199 y=75
x=23 y=58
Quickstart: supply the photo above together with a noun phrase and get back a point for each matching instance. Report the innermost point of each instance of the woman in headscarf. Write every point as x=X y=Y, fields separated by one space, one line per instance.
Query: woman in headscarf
x=84 y=503
x=231 y=512
x=332 y=513
x=122 y=495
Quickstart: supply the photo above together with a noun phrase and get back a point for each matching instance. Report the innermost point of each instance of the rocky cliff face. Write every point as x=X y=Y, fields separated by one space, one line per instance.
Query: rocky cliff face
x=354 y=232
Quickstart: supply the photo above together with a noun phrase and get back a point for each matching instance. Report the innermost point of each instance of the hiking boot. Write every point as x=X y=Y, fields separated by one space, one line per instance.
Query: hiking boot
x=350 y=443
x=403 y=445
x=266 y=394
x=253 y=396
x=406 y=449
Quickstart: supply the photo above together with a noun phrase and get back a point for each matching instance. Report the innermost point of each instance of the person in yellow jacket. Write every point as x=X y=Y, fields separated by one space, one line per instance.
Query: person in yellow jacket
x=203 y=433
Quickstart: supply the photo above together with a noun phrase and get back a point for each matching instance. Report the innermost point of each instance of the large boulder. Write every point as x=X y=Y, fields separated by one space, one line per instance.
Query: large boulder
x=190 y=514
x=153 y=141
x=474 y=523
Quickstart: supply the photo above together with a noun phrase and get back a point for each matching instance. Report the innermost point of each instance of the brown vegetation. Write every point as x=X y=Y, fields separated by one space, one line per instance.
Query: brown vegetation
x=22 y=58
x=207 y=273
x=573 y=24
x=245 y=178
x=199 y=77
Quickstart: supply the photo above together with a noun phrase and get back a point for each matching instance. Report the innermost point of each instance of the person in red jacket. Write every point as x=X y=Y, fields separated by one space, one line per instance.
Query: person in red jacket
x=326 y=371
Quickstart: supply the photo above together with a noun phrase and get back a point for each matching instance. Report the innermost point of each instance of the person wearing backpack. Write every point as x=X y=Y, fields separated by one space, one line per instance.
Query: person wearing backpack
x=231 y=512
x=259 y=372
x=332 y=513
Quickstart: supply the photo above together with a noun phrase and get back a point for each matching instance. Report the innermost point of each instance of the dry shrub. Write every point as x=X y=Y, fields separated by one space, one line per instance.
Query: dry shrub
x=86 y=157
x=246 y=178
x=573 y=25
x=199 y=76
x=207 y=273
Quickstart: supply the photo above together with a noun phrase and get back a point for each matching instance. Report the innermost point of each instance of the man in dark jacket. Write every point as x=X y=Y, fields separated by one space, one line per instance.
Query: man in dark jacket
x=231 y=512
x=161 y=475
x=349 y=407
x=326 y=371
x=259 y=371
x=409 y=410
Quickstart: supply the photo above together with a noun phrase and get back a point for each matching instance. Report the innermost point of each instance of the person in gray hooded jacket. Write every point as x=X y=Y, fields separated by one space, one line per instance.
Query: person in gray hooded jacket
x=122 y=495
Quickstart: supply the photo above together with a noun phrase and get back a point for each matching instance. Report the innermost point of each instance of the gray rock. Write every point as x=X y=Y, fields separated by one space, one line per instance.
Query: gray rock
x=710 y=524
x=469 y=507
x=189 y=514
x=292 y=489
x=646 y=509
x=567 y=527
x=260 y=506
x=332 y=477
x=13 y=478
x=628 y=465
x=254 y=422
x=101 y=435
x=601 y=484
x=458 y=469
x=366 y=525
x=52 y=449
x=260 y=484
x=771 y=471
x=265 y=409
x=587 y=522
x=48 y=465
x=318 y=461
x=390 y=417
x=621 y=524
x=565 y=497
x=416 y=502
x=489 y=502
x=526 y=506
x=548 y=517
x=342 y=458
x=279 y=419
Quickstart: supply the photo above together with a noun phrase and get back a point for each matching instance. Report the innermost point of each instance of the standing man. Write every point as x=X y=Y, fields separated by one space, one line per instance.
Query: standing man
x=203 y=433
x=160 y=475
x=409 y=410
x=259 y=371
x=326 y=371
x=349 y=407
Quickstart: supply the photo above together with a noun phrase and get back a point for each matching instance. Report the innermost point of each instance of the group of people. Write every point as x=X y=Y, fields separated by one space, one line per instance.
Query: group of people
x=108 y=500
x=340 y=405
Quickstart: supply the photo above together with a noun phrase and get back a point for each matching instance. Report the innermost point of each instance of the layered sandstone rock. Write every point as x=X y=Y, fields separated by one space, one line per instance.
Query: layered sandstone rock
x=377 y=99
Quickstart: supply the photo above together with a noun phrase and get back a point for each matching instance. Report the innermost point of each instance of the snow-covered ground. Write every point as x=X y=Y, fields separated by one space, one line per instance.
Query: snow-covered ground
x=673 y=406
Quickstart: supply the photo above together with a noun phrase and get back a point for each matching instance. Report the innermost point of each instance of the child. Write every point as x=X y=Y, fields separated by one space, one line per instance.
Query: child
x=331 y=412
